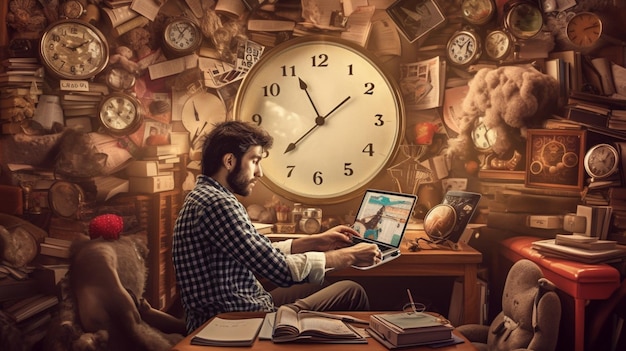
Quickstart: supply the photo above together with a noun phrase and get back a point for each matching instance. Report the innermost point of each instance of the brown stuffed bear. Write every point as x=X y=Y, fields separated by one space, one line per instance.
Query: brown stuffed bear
x=102 y=308
x=531 y=311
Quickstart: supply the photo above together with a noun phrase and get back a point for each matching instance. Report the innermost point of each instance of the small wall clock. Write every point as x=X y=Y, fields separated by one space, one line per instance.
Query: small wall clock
x=523 y=18
x=120 y=113
x=588 y=31
x=73 y=49
x=181 y=37
x=498 y=45
x=336 y=117
x=601 y=161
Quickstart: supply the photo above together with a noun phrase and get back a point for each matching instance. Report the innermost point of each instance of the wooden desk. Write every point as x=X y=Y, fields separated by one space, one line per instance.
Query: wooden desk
x=432 y=262
x=263 y=345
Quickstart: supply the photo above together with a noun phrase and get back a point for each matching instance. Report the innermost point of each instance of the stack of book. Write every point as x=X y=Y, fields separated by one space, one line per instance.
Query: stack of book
x=80 y=108
x=402 y=329
x=20 y=87
x=581 y=248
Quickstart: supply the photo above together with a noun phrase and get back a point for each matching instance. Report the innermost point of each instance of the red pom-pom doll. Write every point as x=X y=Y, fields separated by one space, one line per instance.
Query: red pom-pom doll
x=107 y=226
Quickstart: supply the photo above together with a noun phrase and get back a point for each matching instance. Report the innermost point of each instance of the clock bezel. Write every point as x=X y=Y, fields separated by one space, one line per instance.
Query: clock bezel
x=587 y=159
x=478 y=47
x=132 y=127
x=171 y=49
x=51 y=68
x=391 y=85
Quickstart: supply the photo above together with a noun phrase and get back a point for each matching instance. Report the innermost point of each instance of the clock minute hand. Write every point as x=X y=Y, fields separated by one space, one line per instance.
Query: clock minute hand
x=305 y=87
x=319 y=121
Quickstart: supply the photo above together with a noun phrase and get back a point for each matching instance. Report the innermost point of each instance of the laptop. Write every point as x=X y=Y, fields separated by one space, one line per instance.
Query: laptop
x=382 y=220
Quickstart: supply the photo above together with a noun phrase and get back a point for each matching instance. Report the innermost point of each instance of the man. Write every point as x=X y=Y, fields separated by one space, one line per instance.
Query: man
x=218 y=254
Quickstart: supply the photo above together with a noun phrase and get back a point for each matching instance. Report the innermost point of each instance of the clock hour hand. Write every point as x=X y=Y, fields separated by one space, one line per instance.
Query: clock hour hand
x=319 y=121
x=305 y=87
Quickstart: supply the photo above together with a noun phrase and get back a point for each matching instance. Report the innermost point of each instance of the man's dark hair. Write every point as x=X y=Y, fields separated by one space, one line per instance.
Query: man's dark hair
x=234 y=137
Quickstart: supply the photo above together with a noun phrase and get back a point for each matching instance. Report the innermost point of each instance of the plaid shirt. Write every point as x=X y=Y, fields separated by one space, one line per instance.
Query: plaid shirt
x=217 y=255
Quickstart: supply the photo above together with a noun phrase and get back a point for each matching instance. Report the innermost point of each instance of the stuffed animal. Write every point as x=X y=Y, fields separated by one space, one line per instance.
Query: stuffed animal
x=531 y=311
x=102 y=306
x=500 y=105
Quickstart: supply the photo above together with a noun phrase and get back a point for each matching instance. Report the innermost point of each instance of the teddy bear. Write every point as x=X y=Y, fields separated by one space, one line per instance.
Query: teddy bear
x=530 y=316
x=501 y=104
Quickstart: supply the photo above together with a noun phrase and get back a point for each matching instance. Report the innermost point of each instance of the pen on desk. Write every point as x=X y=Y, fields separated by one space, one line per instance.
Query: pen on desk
x=337 y=316
x=411 y=300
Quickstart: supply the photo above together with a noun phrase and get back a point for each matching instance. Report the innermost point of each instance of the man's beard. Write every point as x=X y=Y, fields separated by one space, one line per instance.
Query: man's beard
x=237 y=181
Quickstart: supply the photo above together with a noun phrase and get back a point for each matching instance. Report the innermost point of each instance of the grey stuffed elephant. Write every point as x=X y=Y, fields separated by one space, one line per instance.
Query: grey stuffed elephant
x=531 y=311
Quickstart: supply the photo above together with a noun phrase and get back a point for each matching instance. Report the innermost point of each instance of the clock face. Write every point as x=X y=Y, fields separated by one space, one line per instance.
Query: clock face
x=478 y=11
x=72 y=49
x=182 y=36
x=337 y=119
x=463 y=48
x=523 y=19
x=601 y=161
x=483 y=138
x=584 y=29
x=118 y=78
x=120 y=113
x=497 y=45
x=200 y=113
x=72 y=9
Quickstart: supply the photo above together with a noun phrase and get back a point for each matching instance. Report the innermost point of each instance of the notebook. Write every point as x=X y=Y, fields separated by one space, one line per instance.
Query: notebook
x=382 y=220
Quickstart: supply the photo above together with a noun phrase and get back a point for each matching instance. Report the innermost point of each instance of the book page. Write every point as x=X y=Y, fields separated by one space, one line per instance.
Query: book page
x=316 y=325
x=228 y=330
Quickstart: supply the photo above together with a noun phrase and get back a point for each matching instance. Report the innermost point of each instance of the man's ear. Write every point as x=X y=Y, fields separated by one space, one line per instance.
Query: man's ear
x=229 y=161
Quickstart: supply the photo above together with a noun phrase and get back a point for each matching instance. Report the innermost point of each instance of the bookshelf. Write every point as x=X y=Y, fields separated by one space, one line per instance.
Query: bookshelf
x=156 y=214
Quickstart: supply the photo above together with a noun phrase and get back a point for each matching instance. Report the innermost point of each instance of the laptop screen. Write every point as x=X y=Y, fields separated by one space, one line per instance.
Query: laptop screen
x=384 y=215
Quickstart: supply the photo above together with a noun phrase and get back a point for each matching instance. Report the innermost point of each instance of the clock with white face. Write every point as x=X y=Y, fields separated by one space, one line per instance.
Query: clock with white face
x=336 y=117
x=601 y=161
x=464 y=48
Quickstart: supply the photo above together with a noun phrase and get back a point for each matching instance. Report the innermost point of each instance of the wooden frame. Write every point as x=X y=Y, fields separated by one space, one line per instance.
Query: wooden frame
x=554 y=158
x=415 y=18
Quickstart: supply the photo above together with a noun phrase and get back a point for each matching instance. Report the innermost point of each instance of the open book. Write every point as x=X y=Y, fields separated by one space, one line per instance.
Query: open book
x=291 y=326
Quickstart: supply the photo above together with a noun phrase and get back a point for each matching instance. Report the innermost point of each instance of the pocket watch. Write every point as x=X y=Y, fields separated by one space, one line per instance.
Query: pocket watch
x=601 y=161
x=73 y=49
x=72 y=9
x=498 y=45
x=119 y=79
x=464 y=48
x=336 y=117
x=478 y=12
x=523 y=18
x=66 y=199
x=483 y=137
x=120 y=113
x=181 y=36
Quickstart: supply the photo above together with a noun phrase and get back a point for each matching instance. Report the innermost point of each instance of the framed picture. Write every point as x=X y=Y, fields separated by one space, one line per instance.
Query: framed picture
x=415 y=18
x=554 y=158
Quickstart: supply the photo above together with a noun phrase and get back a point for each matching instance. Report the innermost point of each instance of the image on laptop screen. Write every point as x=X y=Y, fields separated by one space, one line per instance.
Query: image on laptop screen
x=383 y=216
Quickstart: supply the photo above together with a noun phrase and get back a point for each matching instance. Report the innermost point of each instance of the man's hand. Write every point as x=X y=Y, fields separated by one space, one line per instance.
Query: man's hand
x=335 y=238
x=361 y=255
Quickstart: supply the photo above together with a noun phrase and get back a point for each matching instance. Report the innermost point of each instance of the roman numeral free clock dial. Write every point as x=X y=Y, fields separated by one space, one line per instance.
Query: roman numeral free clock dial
x=336 y=117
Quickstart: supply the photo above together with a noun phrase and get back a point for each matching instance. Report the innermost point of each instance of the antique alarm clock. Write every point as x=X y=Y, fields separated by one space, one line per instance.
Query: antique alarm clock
x=120 y=113
x=478 y=12
x=311 y=221
x=336 y=117
x=464 y=47
x=498 y=45
x=72 y=9
x=181 y=36
x=73 y=49
x=522 y=18
x=601 y=161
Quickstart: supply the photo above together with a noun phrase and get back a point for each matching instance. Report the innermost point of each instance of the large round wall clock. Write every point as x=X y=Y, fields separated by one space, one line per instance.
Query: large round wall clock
x=73 y=49
x=336 y=117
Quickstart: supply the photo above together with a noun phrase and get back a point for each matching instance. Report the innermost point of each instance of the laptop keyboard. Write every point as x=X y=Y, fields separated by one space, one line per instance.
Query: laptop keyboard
x=358 y=239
